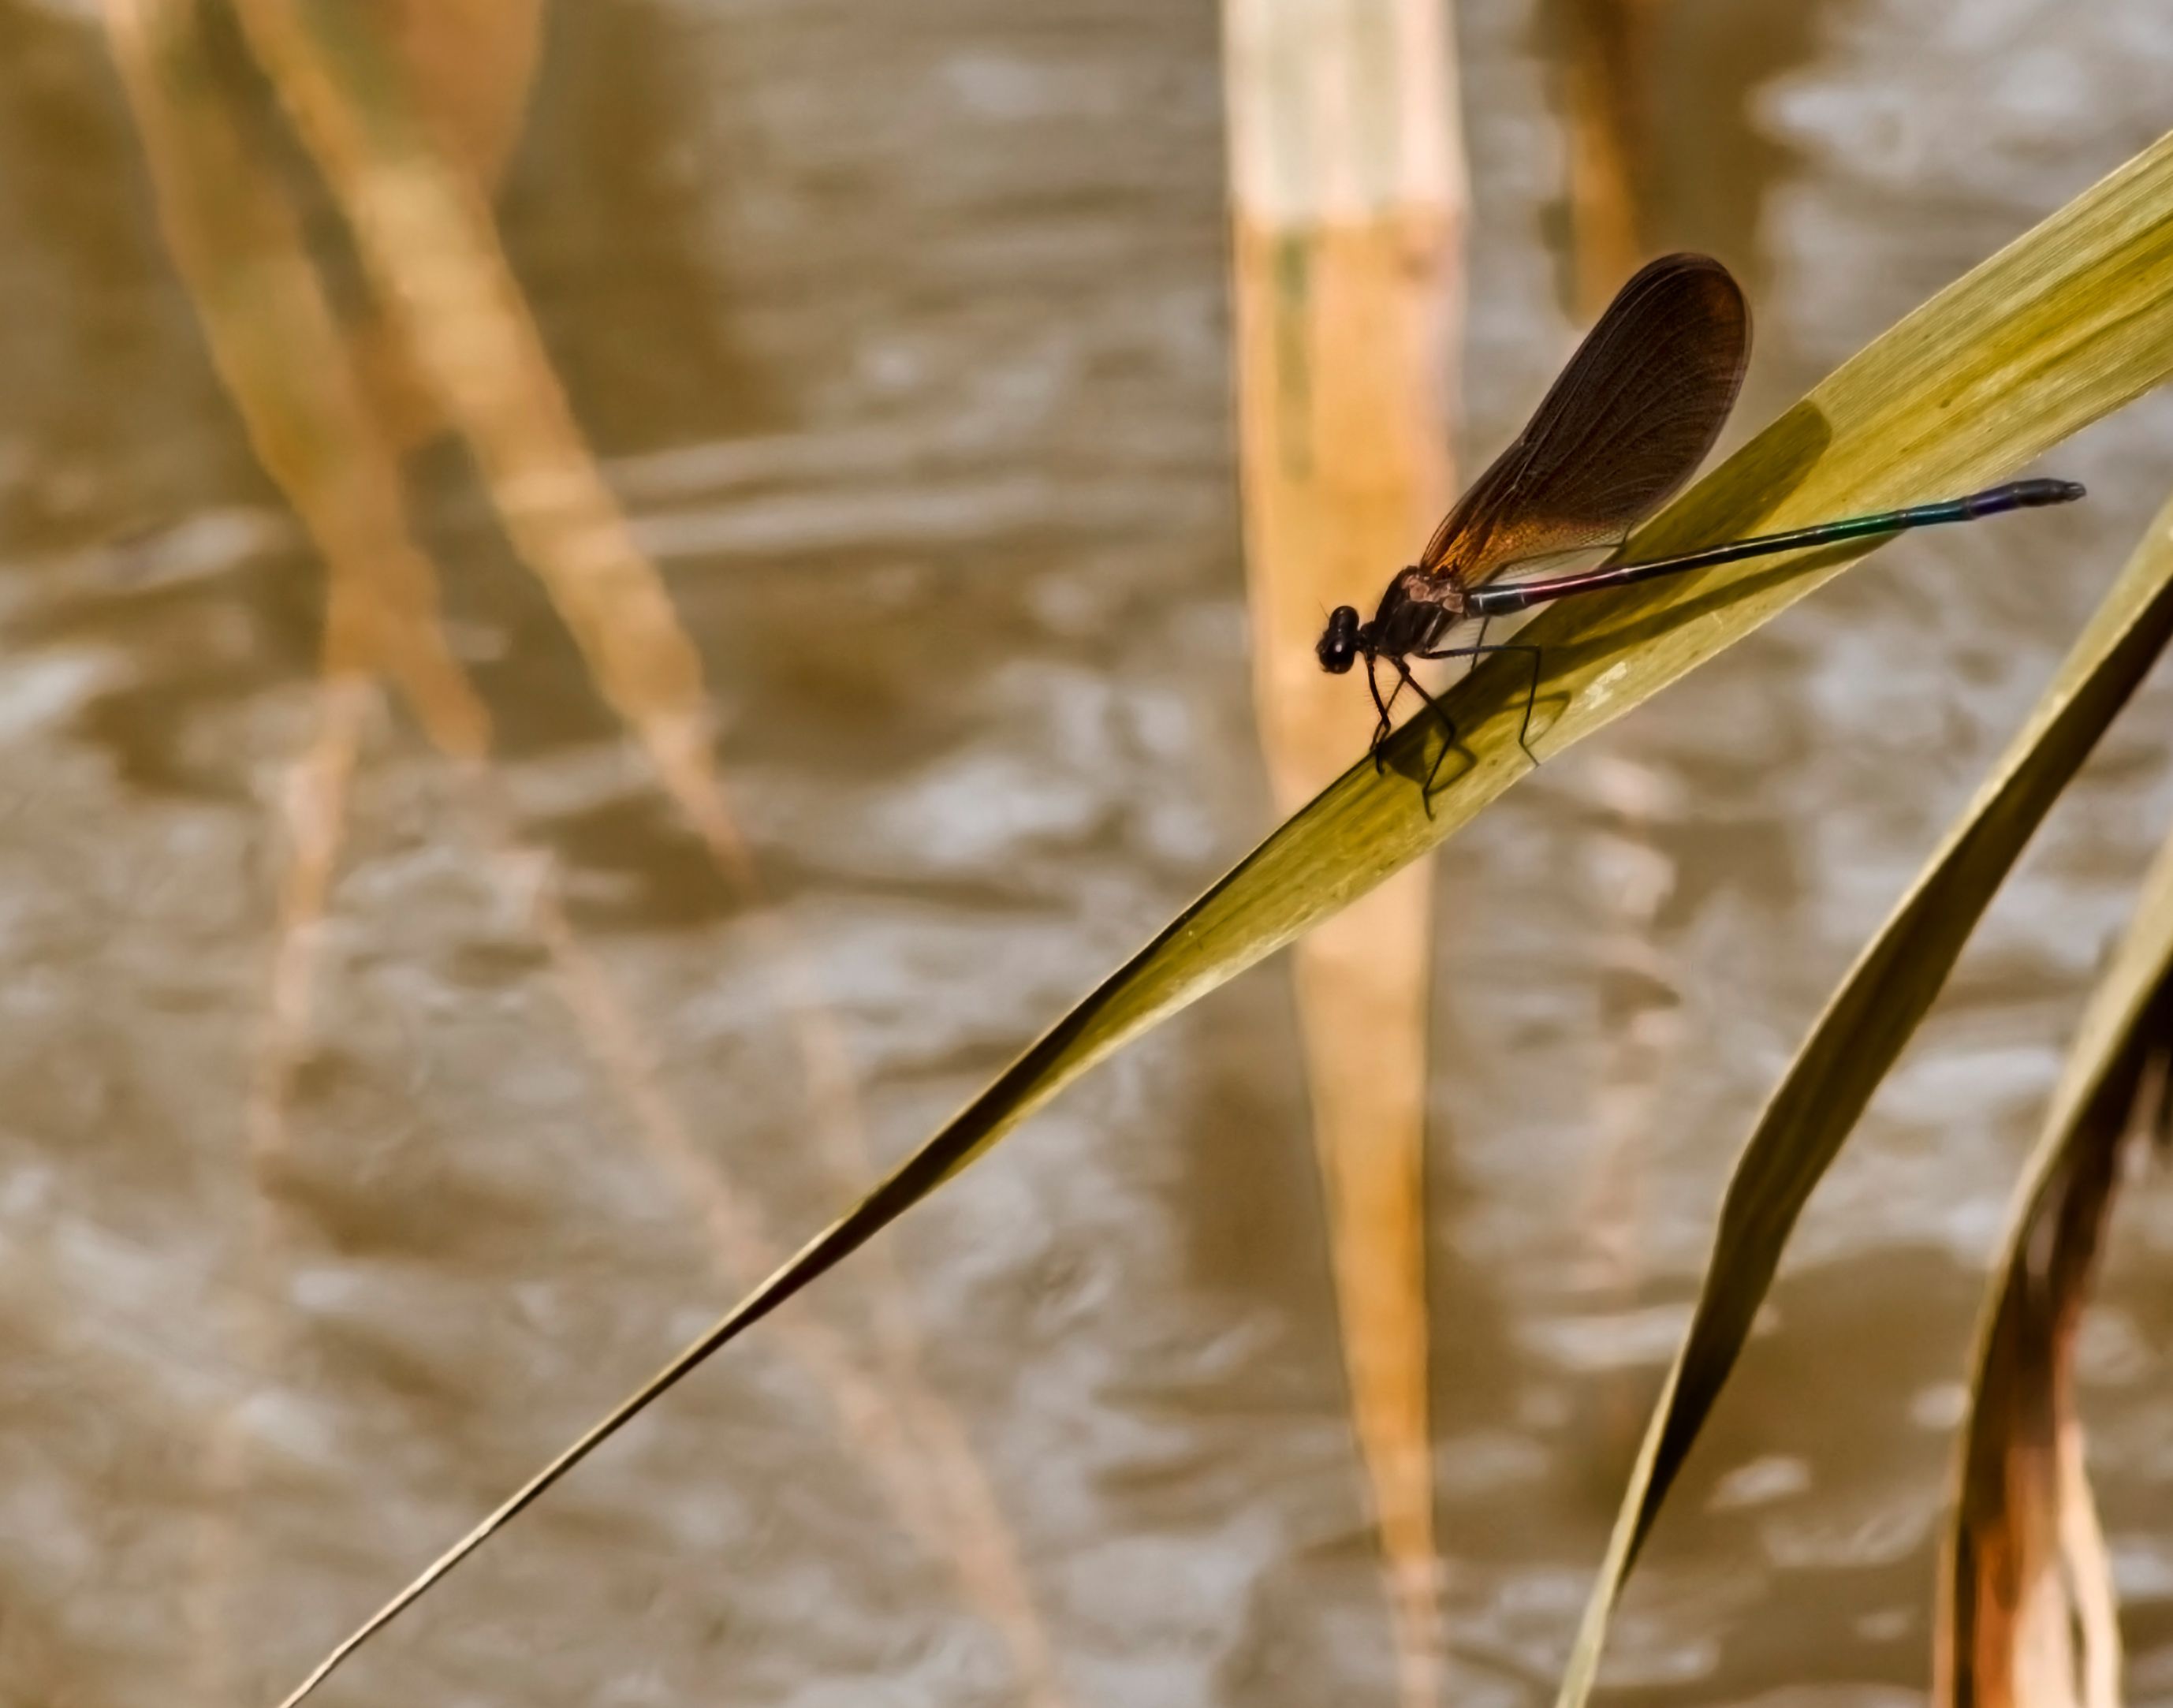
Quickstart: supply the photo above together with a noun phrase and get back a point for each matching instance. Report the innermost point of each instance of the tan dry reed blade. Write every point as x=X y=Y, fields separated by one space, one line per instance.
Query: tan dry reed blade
x=428 y=246
x=2062 y=327
x=427 y=240
x=1345 y=244
x=281 y=353
x=1606 y=61
x=295 y=375
x=1866 y=1024
x=282 y=356
x=2028 y=1617
x=2027 y=1613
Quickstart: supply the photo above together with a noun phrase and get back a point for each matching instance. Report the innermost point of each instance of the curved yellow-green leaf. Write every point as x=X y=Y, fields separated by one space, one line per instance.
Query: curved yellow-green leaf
x=2066 y=324
x=2026 y=1603
x=1866 y=1023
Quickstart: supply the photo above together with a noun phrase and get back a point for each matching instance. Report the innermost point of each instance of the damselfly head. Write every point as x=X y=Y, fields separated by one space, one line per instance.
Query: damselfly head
x=1339 y=641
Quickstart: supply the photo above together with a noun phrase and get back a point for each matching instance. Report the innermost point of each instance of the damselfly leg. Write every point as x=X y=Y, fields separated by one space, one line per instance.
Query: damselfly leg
x=1531 y=688
x=1382 y=725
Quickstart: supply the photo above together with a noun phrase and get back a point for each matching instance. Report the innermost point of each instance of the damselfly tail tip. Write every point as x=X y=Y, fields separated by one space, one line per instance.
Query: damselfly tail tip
x=2046 y=492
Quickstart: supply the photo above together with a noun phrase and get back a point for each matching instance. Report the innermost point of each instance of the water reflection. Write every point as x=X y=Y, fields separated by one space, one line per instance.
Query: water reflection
x=902 y=339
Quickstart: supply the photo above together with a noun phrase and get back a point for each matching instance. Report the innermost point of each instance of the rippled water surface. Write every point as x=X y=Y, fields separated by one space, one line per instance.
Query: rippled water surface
x=902 y=331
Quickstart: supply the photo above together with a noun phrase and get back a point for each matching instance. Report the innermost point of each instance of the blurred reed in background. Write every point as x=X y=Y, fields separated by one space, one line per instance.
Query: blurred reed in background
x=410 y=112
x=1348 y=205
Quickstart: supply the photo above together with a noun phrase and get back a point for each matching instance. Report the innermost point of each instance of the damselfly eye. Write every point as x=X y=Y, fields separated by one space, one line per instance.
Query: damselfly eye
x=1339 y=641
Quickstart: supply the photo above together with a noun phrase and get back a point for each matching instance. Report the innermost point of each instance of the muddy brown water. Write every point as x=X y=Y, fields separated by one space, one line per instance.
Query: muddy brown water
x=902 y=332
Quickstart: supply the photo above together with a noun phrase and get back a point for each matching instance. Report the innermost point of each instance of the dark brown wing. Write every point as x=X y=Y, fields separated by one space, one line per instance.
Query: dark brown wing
x=1626 y=424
